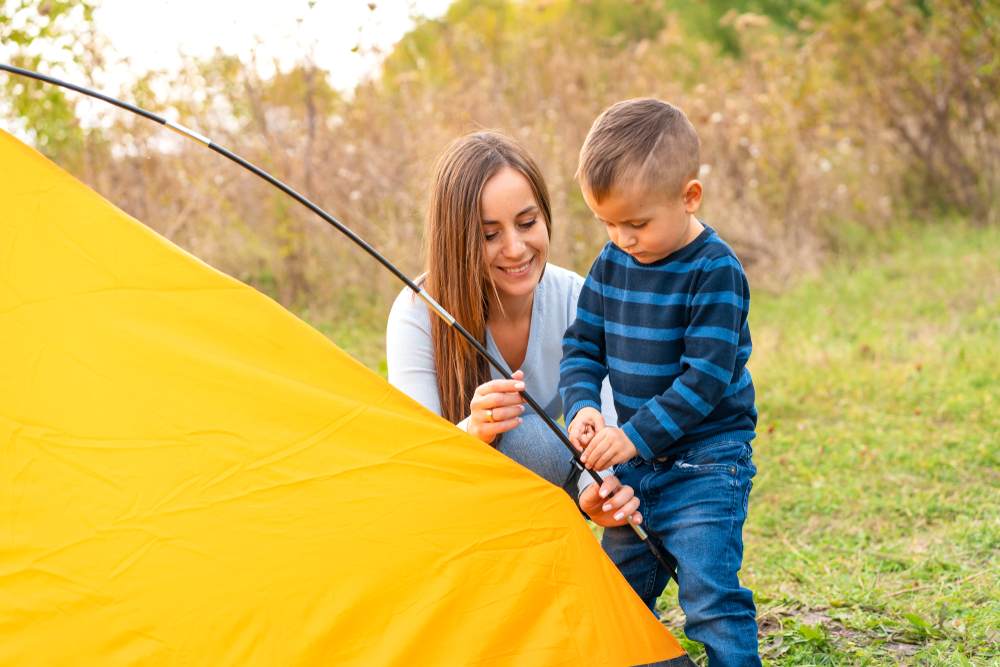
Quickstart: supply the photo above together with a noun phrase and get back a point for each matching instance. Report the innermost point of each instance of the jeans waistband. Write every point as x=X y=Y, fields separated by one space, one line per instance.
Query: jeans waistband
x=734 y=436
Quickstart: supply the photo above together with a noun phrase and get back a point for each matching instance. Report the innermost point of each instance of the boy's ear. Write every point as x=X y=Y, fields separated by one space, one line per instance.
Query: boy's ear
x=691 y=195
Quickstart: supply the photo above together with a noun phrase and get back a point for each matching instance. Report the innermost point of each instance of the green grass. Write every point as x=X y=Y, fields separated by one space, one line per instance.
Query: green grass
x=873 y=533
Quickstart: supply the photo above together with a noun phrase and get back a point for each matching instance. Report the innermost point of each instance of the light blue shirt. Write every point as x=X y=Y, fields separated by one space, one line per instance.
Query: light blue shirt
x=410 y=353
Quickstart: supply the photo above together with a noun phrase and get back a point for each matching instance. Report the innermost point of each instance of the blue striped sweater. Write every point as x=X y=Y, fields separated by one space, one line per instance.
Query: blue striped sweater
x=673 y=337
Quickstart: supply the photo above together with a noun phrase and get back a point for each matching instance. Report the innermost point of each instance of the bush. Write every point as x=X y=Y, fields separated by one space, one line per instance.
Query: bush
x=818 y=127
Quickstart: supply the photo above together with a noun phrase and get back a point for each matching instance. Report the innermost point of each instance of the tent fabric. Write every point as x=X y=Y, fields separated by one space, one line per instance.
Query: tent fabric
x=191 y=475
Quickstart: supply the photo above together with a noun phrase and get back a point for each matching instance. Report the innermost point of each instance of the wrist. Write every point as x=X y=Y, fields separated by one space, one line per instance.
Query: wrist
x=578 y=406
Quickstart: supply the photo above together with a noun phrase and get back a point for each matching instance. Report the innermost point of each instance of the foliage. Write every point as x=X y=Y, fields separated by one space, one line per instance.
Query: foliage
x=938 y=99
x=821 y=123
x=41 y=36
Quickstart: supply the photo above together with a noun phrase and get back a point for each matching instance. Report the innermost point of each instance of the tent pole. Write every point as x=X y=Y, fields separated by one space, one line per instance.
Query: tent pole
x=667 y=561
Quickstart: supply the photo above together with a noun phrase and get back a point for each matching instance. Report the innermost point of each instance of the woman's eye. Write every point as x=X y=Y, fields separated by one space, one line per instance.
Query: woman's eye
x=528 y=224
x=492 y=235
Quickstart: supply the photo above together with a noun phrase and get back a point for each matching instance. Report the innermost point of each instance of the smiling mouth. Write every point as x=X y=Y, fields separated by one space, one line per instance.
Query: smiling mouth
x=519 y=270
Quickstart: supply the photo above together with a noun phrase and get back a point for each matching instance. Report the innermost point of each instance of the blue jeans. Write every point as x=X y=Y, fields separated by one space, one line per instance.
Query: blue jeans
x=536 y=447
x=696 y=505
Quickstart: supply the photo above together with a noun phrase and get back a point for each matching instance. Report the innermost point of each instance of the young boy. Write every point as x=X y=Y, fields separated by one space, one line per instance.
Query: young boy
x=663 y=312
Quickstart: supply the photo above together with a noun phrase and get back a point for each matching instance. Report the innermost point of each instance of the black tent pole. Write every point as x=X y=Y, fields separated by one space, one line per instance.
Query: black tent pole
x=663 y=557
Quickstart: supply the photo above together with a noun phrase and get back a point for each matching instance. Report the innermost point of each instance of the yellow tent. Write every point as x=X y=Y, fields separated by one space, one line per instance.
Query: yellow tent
x=191 y=475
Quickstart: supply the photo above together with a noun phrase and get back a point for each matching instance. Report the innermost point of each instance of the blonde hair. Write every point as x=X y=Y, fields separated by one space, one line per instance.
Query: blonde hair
x=457 y=276
x=644 y=142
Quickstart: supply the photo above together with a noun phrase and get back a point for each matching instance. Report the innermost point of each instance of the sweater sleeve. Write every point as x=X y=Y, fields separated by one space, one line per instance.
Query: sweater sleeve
x=711 y=342
x=583 y=366
x=409 y=352
x=607 y=397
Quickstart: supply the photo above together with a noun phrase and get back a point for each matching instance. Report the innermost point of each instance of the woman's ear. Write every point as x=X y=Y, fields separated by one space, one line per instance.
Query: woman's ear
x=692 y=195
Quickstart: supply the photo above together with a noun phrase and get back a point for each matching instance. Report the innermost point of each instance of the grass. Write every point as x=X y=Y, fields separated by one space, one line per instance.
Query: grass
x=873 y=533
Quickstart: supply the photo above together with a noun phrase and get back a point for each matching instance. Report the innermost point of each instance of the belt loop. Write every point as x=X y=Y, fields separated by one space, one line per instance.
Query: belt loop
x=667 y=461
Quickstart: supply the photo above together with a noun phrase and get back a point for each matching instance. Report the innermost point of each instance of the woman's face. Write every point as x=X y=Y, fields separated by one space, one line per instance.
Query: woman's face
x=516 y=241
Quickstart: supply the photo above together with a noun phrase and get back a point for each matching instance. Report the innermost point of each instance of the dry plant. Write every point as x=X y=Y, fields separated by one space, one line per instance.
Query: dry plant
x=877 y=113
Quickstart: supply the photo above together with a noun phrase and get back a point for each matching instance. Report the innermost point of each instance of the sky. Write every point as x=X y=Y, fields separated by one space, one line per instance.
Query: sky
x=344 y=37
x=151 y=34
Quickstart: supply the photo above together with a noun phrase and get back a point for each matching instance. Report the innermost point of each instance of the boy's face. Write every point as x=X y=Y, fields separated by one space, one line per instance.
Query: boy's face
x=646 y=225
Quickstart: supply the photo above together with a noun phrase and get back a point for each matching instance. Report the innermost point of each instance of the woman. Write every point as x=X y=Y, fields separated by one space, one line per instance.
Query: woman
x=488 y=231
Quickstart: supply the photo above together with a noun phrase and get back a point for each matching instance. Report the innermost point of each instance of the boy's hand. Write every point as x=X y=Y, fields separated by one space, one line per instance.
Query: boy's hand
x=610 y=504
x=584 y=426
x=609 y=447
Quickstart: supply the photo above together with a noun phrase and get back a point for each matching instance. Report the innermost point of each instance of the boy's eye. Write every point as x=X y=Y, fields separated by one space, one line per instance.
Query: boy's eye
x=637 y=225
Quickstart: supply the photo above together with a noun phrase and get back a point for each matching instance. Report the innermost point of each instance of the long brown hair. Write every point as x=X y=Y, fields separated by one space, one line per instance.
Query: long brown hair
x=457 y=276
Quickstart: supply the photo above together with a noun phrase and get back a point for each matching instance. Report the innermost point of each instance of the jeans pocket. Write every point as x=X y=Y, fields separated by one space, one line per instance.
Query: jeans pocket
x=746 y=498
x=717 y=457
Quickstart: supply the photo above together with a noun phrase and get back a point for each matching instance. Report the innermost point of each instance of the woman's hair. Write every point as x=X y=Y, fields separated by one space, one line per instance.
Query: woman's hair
x=457 y=275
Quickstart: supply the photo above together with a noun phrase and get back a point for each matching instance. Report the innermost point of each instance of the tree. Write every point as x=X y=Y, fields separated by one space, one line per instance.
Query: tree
x=52 y=35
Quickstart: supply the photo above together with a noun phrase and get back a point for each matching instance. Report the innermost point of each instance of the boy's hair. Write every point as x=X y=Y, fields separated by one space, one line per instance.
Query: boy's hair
x=644 y=142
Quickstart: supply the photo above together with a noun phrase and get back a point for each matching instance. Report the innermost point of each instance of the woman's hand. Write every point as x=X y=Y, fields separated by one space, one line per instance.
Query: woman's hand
x=610 y=504
x=496 y=407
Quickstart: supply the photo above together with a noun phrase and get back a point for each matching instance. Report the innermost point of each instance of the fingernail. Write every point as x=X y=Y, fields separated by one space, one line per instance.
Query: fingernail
x=520 y=421
x=618 y=516
x=518 y=385
x=604 y=493
x=606 y=507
